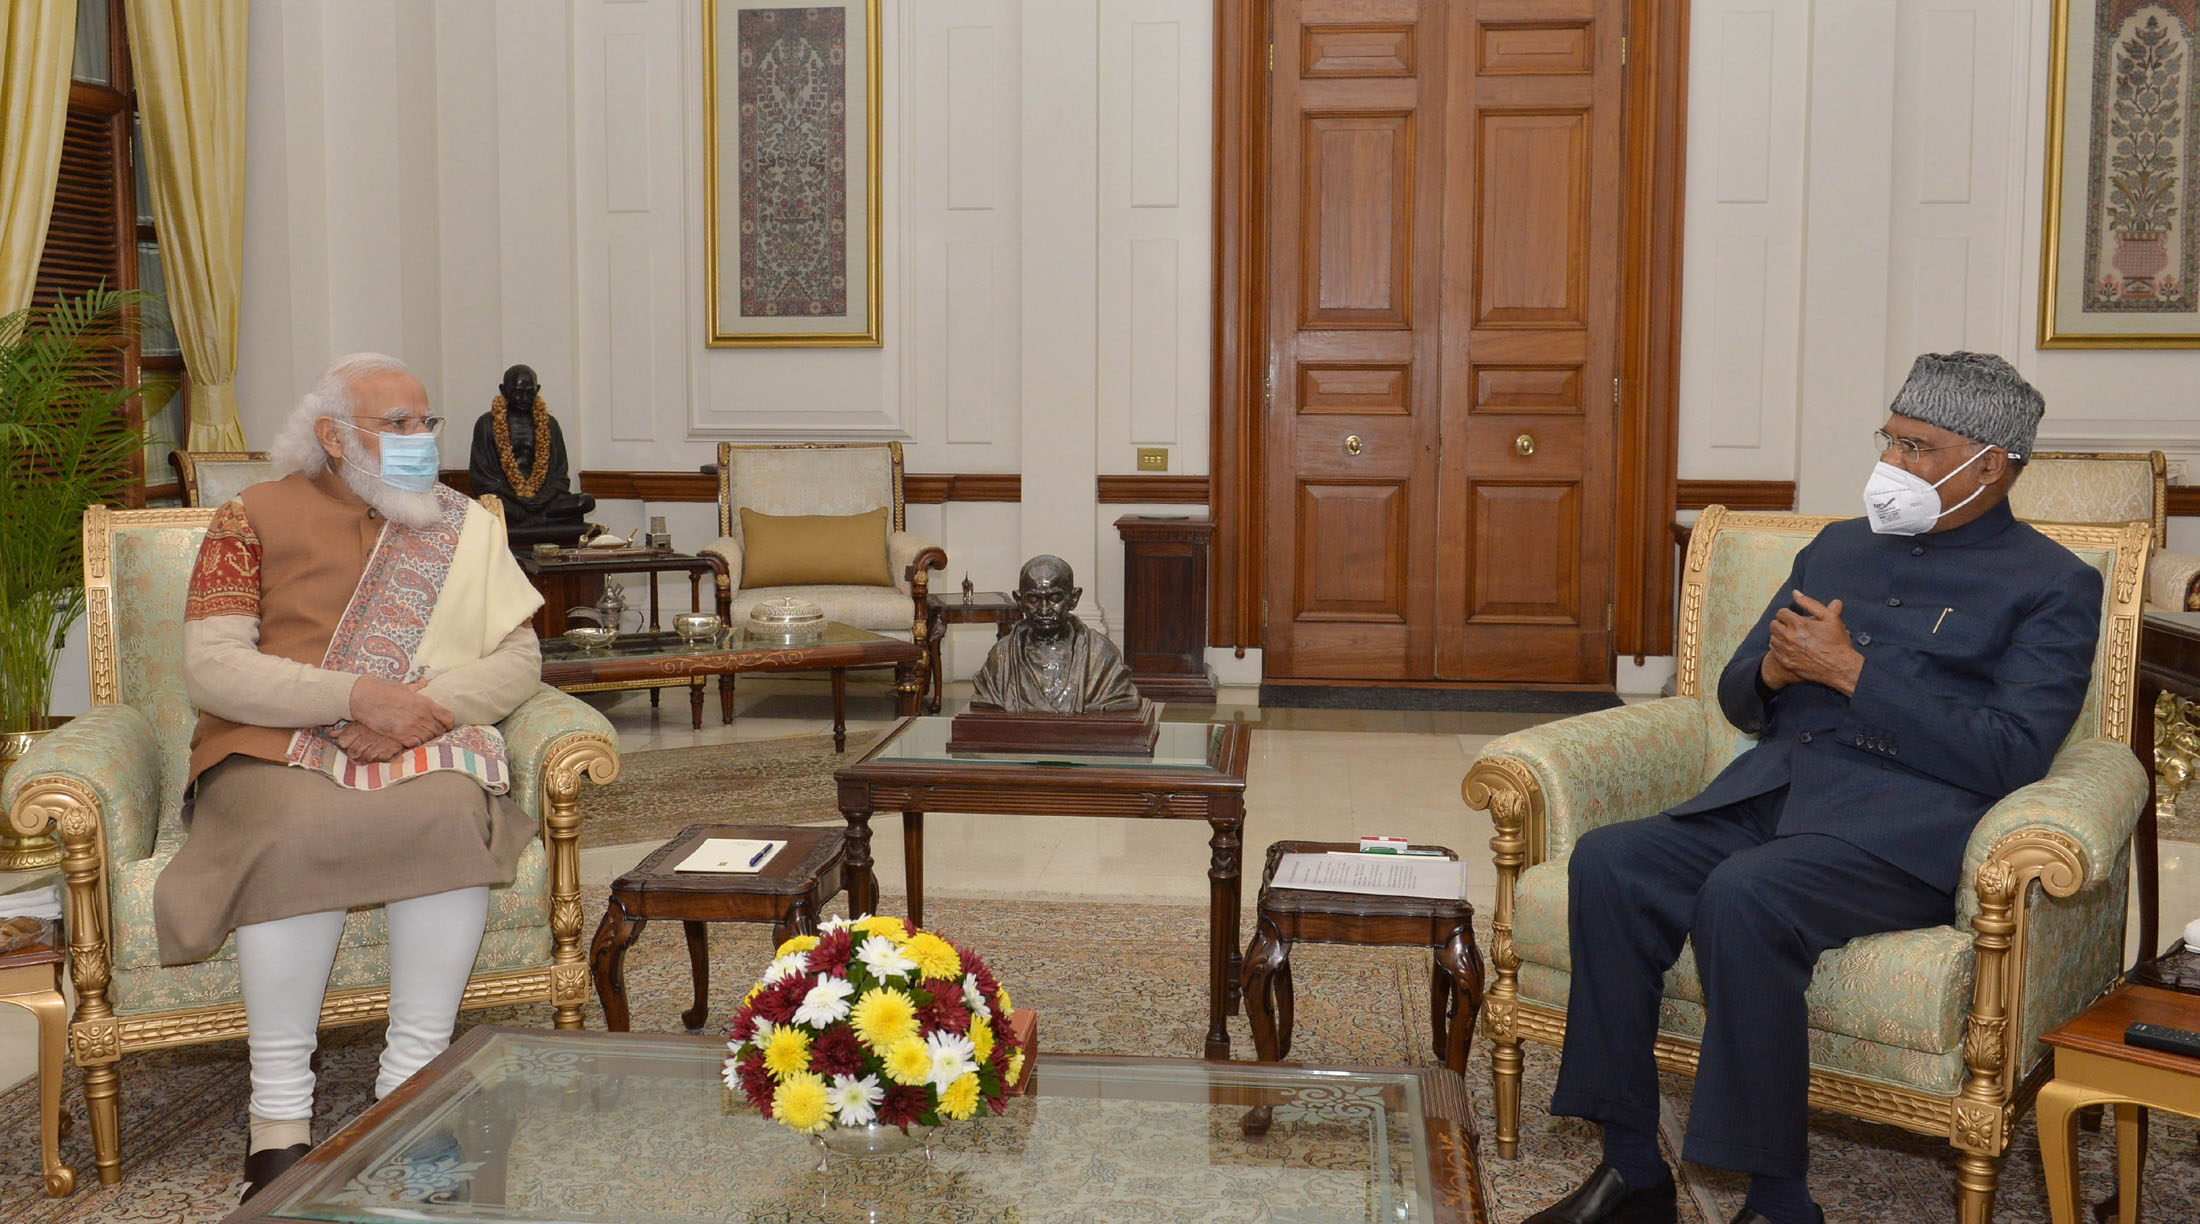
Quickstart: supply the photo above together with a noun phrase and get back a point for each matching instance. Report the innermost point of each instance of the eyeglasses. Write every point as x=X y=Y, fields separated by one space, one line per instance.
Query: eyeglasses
x=397 y=423
x=1911 y=448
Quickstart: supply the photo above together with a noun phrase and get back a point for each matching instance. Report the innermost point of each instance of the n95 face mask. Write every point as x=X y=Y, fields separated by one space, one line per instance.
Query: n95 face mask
x=1901 y=502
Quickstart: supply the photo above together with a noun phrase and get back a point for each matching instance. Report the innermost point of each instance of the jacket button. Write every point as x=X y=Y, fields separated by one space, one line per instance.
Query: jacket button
x=1919 y=551
x=1805 y=737
x=1863 y=639
x=1894 y=603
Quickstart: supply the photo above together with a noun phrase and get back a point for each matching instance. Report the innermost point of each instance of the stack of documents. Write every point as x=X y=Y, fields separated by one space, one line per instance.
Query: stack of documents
x=1380 y=875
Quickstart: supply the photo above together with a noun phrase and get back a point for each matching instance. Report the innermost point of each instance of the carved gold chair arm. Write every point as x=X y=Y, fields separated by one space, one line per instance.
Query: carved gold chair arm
x=112 y=754
x=1593 y=769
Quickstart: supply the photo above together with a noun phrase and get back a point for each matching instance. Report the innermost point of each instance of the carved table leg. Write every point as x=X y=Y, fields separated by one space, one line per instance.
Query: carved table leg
x=725 y=700
x=912 y=853
x=695 y=703
x=607 y=959
x=935 y=628
x=1269 y=954
x=52 y=1014
x=1461 y=967
x=698 y=942
x=862 y=882
x=1222 y=927
x=840 y=709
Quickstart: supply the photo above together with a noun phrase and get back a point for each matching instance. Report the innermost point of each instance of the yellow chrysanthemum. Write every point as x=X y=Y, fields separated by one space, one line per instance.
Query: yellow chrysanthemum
x=754 y=991
x=787 y=1051
x=961 y=1098
x=981 y=1036
x=1015 y=1064
x=884 y=1017
x=799 y=943
x=935 y=957
x=801 y=1102
x=1007 y=1009
x=908 y=1062
x=882 y=924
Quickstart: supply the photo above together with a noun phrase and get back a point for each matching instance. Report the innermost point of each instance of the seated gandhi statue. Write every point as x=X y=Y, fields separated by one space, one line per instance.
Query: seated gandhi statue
x=1050 y=663
x=519 y=456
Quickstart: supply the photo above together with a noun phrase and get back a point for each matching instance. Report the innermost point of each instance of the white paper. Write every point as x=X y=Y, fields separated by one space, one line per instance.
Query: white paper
x=731 y=855
x=38 y=901
x=1382 y=875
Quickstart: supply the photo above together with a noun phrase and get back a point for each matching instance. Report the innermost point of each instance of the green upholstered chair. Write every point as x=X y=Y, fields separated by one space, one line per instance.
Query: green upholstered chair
x=213 y=477
x=1934 y=1030
x=111 y=783
x=2088 y=487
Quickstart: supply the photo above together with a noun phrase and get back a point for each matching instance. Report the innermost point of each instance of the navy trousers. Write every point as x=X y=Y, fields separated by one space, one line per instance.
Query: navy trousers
x=1760 y=908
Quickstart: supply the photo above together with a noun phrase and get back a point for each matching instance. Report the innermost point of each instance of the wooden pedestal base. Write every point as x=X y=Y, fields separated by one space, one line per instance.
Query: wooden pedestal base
x=1105 y=733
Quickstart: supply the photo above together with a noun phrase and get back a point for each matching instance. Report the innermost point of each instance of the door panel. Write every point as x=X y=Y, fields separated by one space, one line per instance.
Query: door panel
x=1358 y=221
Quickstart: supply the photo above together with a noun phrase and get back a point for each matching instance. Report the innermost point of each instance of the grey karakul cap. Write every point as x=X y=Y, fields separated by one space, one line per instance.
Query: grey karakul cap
x=1977 y=395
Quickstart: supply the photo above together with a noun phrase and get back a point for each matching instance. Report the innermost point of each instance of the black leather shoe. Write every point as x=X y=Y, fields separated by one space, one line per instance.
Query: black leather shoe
x=1748 y=1215
x=267 y=1164
x=1605 y=1199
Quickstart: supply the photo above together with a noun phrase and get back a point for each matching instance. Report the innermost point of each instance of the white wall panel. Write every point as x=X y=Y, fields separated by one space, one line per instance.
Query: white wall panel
x=626 y=179
x=1735 y=412
x=1743 y=145
x=980 y=352
x=1156 y=104
x=981 y=117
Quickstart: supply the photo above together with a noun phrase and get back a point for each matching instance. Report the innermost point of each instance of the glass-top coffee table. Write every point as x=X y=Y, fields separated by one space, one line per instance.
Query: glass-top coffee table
x=657 y=659
x=519 y=1126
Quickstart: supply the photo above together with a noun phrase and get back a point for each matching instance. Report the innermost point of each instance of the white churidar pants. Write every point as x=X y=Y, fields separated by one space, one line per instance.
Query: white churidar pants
x=284 y=967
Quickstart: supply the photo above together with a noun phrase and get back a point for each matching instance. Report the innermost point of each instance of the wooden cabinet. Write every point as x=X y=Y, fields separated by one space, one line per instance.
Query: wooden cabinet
x=1165 y=606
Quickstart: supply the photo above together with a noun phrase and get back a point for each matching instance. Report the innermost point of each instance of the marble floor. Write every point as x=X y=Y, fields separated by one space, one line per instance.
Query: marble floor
x=1314 y=774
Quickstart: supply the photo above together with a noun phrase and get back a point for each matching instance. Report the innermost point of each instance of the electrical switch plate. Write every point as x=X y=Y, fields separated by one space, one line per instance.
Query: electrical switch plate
x=1153 y=458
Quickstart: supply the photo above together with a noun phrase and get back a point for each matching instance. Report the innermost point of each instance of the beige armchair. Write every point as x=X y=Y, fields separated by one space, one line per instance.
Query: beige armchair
x=2080 y=487
x=827 y=479
x=110 y=782
x=213 y=477
x=1936 y=1030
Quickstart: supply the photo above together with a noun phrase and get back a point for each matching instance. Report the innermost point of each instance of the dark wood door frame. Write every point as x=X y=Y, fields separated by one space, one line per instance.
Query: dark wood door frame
x=1654 y=138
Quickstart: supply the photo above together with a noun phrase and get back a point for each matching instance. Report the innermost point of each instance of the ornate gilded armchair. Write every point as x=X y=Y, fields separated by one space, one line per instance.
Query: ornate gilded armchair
x=1934 y=1030
x=812 y=478
x=213 y=477
x=2077 y=487
x=111 y=781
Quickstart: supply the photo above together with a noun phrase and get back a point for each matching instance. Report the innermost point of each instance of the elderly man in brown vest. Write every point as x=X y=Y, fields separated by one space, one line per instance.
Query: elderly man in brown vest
x=353 y=632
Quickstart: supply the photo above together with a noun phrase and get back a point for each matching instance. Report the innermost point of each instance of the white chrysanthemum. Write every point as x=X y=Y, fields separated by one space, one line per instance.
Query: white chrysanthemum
x=830 y=925
x=883 y=959
x=731 y=1074
x=855 y=1101
x=826 y=1003
x=953 y=1056
x=786 y=967
x=762 y=1035
x=974 y=998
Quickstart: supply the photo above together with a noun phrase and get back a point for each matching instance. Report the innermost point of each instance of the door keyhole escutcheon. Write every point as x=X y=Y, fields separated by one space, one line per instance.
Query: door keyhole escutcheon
x=1352 y=444
x=1524 y=444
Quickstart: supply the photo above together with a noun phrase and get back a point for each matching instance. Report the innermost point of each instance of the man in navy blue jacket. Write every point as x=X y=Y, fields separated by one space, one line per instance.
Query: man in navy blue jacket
x=1919 y=664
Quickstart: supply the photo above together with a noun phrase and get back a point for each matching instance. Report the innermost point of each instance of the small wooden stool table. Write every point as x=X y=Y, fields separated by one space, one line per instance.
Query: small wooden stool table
x=941 y=609
x=30 y=978
x=787 y=892
x=1289 y=915
x=2093 y=1066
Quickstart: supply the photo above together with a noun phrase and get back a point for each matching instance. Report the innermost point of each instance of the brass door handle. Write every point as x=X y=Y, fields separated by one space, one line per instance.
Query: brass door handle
x=1524 y=444
x=1352 y=444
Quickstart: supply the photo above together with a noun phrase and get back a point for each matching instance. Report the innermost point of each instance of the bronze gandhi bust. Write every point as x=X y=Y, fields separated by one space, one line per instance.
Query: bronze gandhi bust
x=519 y=455
x=1050 y=663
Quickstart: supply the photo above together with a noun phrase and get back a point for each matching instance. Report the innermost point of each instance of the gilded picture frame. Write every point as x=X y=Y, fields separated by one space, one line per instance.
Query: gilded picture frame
x=2120 y=251
x=791 y=173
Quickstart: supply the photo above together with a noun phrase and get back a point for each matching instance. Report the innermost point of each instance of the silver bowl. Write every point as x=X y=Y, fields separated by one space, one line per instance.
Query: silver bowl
x=697 y=628
x=786 y=619
x=591 y=637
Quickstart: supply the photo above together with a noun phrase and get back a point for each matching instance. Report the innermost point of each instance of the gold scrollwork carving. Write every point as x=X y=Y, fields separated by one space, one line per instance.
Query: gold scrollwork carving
x=2176 y=750
x=92 y=1042
x=569 y=984
x=1975 y=1127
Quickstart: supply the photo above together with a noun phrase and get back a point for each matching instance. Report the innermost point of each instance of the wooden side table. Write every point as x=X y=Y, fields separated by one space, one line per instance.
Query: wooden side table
x=995 y=608
x=1291 y=915
x=30 y=978
x=1165 y=605
x=2093 y=1066
x=788 y=892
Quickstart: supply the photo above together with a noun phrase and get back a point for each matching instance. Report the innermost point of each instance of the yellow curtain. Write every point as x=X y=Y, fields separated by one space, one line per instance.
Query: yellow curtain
x=37 y=48
x=189 y=59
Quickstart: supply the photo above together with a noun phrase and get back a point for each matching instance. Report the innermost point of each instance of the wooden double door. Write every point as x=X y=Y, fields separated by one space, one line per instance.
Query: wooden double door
x=1442 y=269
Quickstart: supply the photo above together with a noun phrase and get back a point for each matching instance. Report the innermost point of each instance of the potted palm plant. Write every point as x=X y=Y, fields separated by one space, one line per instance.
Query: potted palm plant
x=66 y=439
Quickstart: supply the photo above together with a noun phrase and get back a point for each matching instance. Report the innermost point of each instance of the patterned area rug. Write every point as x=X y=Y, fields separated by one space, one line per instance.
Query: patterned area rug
x=660 y=792
x=184 y=1110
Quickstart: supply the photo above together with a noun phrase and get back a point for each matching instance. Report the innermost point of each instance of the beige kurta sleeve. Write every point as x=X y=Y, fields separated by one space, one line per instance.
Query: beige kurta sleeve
x=225 y=675
x=488 y=689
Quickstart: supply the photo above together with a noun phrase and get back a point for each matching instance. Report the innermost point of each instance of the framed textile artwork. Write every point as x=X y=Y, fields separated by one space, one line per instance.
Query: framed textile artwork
x=2121 y=260
x=791 y=172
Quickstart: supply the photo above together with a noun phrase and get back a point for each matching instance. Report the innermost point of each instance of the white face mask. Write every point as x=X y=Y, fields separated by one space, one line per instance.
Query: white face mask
x=1900 y=502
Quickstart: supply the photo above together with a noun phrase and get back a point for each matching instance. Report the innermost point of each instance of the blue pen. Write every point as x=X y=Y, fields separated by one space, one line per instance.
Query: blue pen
x=760 y=854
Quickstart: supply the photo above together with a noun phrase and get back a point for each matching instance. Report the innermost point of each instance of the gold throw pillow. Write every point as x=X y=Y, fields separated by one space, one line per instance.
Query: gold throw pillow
x=813 y=549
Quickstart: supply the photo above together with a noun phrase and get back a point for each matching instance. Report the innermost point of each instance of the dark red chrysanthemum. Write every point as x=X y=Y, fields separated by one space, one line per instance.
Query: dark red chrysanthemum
x=946 y=1012
x=903 y=1105
x=777 y=1002
x=835 y=1052
x=756 y=1083
x=831 y=953
x=744 y=1024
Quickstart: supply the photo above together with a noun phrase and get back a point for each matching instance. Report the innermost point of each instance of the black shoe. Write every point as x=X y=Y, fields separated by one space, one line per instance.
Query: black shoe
x=1605 y=1199
x=267 y=1164
x=1750 y=1215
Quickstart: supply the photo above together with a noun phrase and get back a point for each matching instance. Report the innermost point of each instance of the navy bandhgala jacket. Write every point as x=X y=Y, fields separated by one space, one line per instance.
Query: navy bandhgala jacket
x=1978 y=646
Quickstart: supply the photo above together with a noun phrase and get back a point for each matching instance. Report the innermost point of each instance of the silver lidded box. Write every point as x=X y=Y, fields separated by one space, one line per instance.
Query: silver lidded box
x=785 y=619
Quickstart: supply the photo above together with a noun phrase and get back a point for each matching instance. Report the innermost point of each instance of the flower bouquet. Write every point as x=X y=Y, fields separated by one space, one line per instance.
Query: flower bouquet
x=868 y=1025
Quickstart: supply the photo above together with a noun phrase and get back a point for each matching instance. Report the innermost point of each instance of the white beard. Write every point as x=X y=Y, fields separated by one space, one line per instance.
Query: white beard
x=414 y=510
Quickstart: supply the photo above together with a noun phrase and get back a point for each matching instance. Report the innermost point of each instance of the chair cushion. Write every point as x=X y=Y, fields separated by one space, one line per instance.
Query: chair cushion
x=878 y=609
x=814 y=549
x=1906 y=989
x=517 y=937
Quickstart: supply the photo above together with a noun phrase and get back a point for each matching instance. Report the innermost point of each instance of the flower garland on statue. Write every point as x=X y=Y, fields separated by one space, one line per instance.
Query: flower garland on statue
x=869 y=1022
x=537 y=471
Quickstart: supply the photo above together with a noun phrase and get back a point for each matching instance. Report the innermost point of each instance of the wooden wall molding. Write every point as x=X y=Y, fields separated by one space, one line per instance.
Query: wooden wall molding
x=1153 y=489
x=651 y=486
x=1736 y=494
x=2184 y=500
x=917 y=488
x=939 y=488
